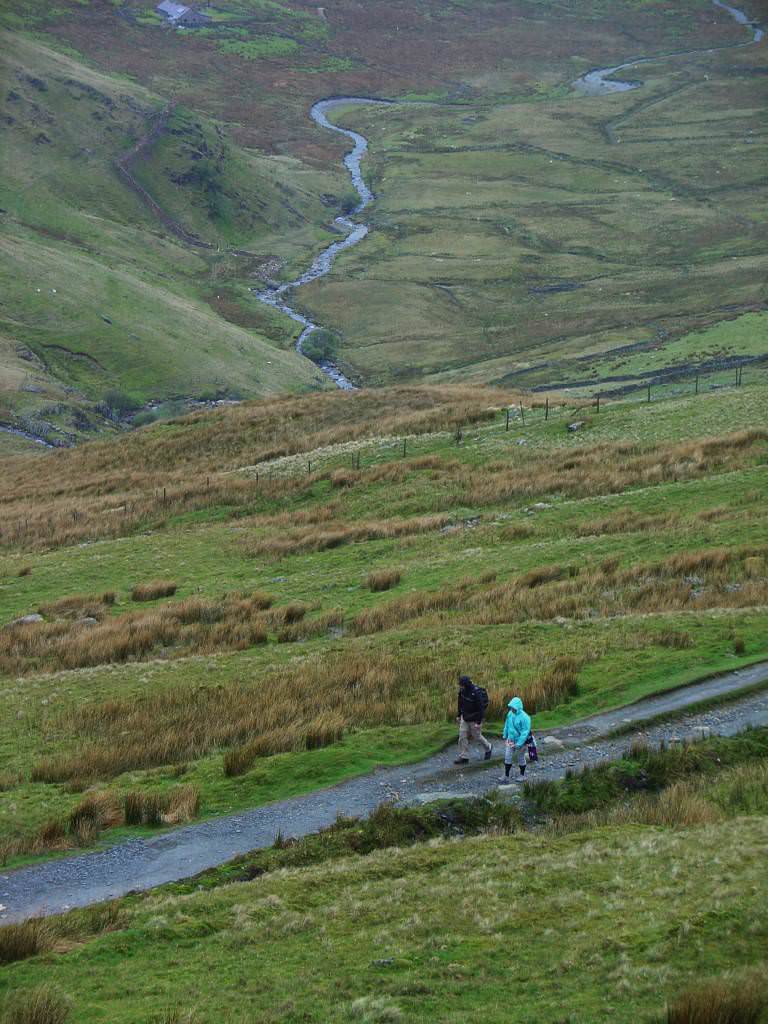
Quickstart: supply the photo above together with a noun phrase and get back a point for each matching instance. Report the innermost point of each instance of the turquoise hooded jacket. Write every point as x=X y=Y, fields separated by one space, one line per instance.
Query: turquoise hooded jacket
x=517 y=727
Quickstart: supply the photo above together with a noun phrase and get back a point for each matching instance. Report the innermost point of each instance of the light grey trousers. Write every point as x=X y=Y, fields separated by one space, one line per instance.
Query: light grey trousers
x=509 y=754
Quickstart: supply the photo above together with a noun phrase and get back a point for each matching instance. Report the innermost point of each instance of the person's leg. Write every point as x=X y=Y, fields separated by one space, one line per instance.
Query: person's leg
x=478 y=737
x=463 y=741
x=508 y=752
x=521 y=760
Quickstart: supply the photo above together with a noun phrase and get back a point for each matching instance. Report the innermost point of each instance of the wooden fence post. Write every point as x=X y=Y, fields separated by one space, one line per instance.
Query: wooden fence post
x=697 y=385
x=649 y=392
x=405 y=445
x=507 y=424
x=546 y=408
x=598 y=401
x=522 y=413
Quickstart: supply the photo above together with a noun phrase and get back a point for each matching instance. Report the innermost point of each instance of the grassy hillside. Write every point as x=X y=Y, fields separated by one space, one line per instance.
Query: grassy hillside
x=101 y=295
x=292 y=544
x=517 y=229
x=657 y=914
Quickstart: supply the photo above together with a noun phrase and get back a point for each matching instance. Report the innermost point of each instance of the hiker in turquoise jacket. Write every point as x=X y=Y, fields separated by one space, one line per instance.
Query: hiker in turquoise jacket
x=517 y=729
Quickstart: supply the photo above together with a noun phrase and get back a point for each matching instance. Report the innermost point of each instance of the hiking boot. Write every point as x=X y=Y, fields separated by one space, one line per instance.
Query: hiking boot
x=488 y=753
x=505 y=780
x=461 y=760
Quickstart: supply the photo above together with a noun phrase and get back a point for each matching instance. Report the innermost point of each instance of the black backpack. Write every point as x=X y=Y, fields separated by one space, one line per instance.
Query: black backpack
x=481 y=696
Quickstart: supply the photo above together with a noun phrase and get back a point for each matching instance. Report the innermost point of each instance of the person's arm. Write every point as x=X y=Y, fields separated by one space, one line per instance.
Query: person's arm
x=524 y=729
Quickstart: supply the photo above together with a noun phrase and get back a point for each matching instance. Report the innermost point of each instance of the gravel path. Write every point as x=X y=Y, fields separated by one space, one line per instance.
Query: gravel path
x=143 y=863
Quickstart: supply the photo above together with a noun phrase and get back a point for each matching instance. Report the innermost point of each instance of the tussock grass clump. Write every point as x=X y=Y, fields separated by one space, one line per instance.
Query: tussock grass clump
x=520 y=531
x=344 y=478
x=92 y=815
x=171 y=807
x=102 y=810
x=25 y=570
x=191 y=626
x=545 y=574
x=383 y=579
x=9 y=780
x=681 y=805
x=153 y=590
x=20 y=941
x=754 y=567
x=624 y=520
x=305 y=629
x=93 y=605
x=677 y=639
x=732 y=999
x=554 y=686
x=41 y=1005
x=305 y=540
x=175 y=1015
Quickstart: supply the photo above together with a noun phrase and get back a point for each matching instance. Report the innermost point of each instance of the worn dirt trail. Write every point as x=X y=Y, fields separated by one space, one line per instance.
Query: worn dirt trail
x=143 y=863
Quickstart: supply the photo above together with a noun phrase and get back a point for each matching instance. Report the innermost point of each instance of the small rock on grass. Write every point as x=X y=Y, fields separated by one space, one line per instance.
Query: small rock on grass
x=552 y=743
x=26 y=620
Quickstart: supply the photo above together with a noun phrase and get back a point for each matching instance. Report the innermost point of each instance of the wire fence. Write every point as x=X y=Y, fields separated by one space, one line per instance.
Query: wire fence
x=533 y=411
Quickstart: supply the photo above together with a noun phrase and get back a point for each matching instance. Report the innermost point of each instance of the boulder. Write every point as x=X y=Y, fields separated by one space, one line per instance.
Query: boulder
x=27 y=620
x=87 y=620
x=576 y=425
x=551 y=744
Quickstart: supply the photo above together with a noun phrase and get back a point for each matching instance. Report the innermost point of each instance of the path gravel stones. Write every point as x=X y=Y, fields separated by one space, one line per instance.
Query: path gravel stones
x=143 y=863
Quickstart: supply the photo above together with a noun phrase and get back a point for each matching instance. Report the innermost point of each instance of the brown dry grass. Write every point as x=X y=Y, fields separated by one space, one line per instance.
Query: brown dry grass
x=300 y=706
x=734 y=999
x=153 y=590
x=20 y=941
x=676 y=639
x=316 y=538
x=710 y=578
x=109 y=489
x=102 y=810
x=182 y=803
x=78 y=605
x=191 y=626
x=624 y=520
x=41 y=1005
x=383 y=579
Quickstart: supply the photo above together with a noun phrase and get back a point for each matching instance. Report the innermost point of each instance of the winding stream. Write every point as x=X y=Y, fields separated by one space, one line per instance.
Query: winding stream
x=598 y=82
x=355 y=232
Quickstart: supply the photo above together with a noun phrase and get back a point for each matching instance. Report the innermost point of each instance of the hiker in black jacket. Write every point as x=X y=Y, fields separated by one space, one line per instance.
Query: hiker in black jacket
x=473 y=701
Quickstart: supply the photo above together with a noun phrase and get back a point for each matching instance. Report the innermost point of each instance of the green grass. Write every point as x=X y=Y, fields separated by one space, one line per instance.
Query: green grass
x=479 y=205
x=483 y=213
x=425 y=933
x=623 y=658
x=99 y=295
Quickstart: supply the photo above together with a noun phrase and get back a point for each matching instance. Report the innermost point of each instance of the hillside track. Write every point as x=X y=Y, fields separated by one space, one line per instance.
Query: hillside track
x=141 y=864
